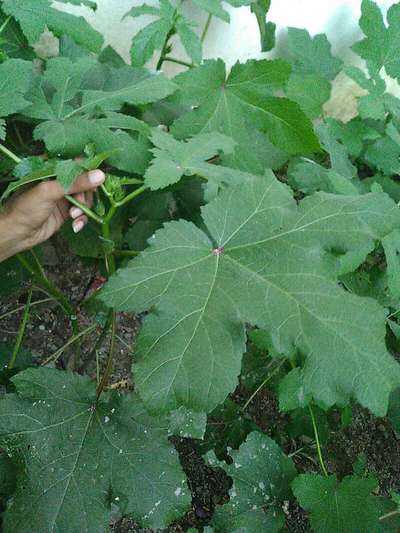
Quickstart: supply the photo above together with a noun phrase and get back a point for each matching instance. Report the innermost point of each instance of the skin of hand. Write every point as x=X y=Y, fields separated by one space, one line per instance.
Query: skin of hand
x=34 y=216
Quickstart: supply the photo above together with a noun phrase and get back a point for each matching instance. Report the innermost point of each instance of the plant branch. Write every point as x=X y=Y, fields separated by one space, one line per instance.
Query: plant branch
x=20 y=308
x=21 y=332
x=206 y=28
x=389 y=515
x=84 y=208
x=5 y=24
x=10 y=154
x=107 y=372
x=270 y=376
x=178 y=62
x=47 y=287
x=131 y=196
x=56 y=355
x=317 y=441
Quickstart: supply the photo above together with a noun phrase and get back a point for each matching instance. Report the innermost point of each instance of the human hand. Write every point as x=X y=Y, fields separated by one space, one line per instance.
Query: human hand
x=35 y=215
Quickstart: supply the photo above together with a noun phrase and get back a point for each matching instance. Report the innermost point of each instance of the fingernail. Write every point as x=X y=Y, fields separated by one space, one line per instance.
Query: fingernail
x=96 y=177
x=75 y=212
x=77 y=226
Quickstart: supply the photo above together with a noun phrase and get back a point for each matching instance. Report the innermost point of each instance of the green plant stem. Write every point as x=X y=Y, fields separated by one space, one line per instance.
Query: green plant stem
x=270 y=376
x=131 y=196
x=178 y=62
x=99 y=341
x=20 y=308
x=47 y=286
x=10 y=154
x=109 y=365
x=389 y=515
x=317 y=441
x=5 y=24
x=126 y=253
x=21 y=332
x=56 y=355
x=106 y=231
x=84 y=208
x=206 y=28
x=164 y=50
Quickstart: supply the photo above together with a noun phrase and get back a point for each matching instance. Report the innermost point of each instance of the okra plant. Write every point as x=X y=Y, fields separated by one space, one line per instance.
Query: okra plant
x=258 y=239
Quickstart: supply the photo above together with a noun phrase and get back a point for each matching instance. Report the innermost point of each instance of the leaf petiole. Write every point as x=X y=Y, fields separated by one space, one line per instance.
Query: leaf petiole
x=21 y=332
x=317 y=441
x=10 y=154
x=88 y=212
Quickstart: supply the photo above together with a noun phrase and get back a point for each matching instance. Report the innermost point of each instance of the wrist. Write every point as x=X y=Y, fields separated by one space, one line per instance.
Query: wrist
x=9 y=242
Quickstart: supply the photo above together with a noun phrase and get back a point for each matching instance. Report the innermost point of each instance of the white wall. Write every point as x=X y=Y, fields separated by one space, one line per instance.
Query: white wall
x=240 y=39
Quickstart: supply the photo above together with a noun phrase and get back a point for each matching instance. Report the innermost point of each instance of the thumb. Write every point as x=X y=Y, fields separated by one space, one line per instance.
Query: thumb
x=53 y=191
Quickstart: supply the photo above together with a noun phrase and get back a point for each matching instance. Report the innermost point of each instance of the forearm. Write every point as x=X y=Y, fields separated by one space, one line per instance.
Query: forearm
x=9 y=242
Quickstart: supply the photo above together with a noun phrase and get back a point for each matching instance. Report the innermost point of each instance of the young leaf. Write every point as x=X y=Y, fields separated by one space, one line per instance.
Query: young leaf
x=75 y=456
x=381 y=43
x=15 y=79
x=174 y=159
x=261 y=475
x=243 y=107
x=153 y=36
x=35 y=15
x=204 y=289
x=347 y=506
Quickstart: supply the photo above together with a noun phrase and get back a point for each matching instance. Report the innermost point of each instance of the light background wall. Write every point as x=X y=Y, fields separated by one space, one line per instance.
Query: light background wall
x=239 y=40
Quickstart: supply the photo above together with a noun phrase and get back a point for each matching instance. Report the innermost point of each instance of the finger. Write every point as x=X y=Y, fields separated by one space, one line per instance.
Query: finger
x=80 y=197
x=52 y=191
x=88 y=181
x=79 y=223
x=89 y=199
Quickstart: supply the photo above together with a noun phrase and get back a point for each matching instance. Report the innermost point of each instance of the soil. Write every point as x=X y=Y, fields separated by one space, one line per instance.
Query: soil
x=373 y=440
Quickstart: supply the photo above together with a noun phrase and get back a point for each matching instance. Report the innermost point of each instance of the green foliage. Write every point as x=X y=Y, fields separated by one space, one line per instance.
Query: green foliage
x=34 y=15
x=215 y=7
x=15 y=76
x=254 y=232
x=243 y=107
x=380 y=45
x=261 y=475
x=267 y=302
x=347 y=506
x=51 y=429
x=153 y=36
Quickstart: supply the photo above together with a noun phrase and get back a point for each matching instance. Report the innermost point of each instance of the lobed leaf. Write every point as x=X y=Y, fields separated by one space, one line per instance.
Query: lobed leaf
x=261 y=475
x=34 y=15
x=76 y=455
x=345 y=506
x=264 y=253
x=243 y=107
